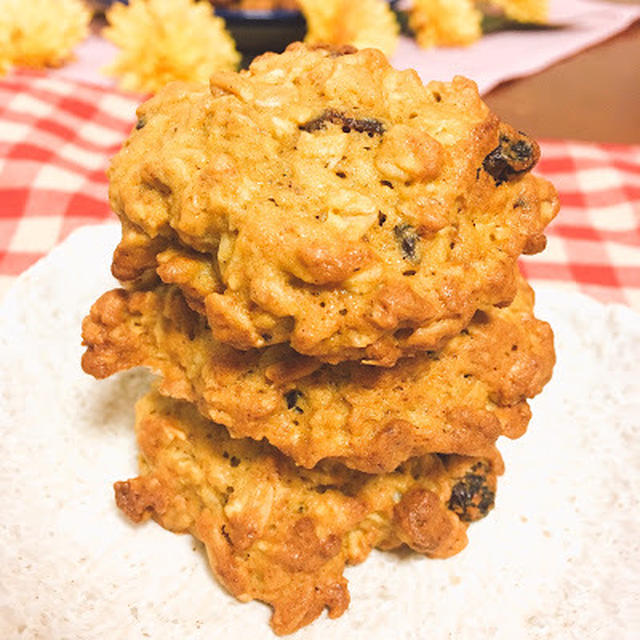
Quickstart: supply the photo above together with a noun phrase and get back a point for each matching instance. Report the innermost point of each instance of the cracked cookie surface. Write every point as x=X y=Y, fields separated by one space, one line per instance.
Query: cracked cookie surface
x=458 y=400
x=324 y=199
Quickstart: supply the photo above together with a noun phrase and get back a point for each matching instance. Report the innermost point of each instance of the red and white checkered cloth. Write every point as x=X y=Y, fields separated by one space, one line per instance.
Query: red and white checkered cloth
x=57 y=136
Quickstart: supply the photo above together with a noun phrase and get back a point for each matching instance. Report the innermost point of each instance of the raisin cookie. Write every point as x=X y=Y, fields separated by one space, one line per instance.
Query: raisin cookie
x=325 y=199
x=455 y=401
x=281 y=535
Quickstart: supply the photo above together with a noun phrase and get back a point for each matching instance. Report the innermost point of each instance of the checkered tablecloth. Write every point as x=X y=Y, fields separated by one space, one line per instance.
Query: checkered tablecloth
x=57 y=135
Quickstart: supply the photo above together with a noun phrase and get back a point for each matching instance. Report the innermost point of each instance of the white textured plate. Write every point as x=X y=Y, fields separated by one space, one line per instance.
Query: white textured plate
x=558 y=557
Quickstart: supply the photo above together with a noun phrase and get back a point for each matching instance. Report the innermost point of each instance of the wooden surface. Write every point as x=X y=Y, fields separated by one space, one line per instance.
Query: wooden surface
x=594 y=95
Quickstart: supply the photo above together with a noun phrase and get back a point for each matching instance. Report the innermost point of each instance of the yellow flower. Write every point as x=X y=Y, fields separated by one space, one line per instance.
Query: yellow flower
x=524 y=10
x=5 y=54
x=458 y=22
x=165 y=40
x=445 y=22
x=41 y=33
x=367 y=23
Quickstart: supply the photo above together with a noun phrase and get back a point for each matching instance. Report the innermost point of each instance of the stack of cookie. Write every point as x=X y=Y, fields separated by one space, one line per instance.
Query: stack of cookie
x=318 y=258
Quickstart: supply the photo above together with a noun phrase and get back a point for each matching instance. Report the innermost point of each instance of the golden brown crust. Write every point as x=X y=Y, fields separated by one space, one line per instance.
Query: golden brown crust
x=274 y=532
x=458 y=400
x=331 y=202
x=420 y=518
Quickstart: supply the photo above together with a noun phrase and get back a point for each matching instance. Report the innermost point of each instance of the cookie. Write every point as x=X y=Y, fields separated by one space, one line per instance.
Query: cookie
x=324 y=199
x=281 y=535
x=458 y=400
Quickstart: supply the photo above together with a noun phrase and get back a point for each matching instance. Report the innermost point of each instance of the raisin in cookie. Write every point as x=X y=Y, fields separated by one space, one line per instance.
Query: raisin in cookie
x=283 y=535
x=324 y=199
x=458 y=400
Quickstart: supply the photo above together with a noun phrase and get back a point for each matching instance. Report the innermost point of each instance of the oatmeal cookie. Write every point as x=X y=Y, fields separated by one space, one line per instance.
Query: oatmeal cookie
x=458 y=400
x=283 y=535
x=324 y=199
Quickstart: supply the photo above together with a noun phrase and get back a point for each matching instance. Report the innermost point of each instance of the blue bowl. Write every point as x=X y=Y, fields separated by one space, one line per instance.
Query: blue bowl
x=258 y=31
x=105 y=4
